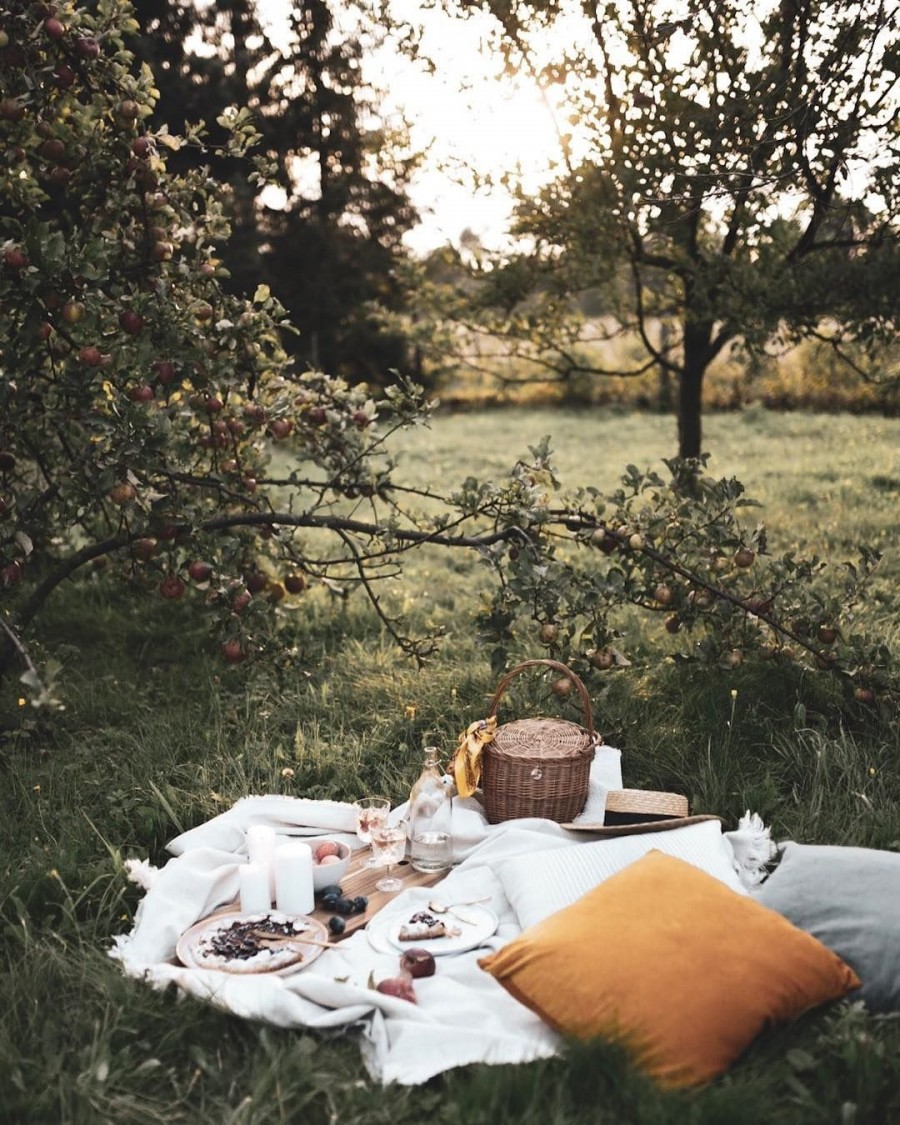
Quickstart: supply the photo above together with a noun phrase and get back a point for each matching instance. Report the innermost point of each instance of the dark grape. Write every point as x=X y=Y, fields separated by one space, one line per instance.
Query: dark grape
x=336 y=925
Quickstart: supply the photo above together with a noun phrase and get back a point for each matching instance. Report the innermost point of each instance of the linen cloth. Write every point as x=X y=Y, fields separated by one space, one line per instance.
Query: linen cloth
x=461 y=1016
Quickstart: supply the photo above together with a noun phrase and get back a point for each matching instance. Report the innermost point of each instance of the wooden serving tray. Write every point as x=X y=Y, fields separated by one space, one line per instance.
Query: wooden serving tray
x=361 y=880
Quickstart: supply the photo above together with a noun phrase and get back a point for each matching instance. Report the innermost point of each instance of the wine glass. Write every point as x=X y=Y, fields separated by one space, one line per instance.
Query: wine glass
x=388 y=848
x=371 y=813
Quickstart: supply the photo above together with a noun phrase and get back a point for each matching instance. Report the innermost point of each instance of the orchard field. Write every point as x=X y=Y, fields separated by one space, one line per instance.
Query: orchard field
x=158 y=734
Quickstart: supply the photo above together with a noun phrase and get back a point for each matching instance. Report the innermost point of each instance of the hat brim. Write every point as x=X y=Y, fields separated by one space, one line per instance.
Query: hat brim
x=640 y=827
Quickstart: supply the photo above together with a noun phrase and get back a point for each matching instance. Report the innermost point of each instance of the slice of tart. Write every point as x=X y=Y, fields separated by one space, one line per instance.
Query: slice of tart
x=425 y=927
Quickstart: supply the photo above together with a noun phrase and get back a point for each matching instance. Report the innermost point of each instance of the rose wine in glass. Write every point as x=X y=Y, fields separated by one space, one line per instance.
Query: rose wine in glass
x=371 y=812
x=388 y=848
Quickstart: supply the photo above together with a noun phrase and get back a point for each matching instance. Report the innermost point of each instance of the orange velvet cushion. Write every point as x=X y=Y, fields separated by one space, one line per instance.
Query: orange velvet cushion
x=675 y=964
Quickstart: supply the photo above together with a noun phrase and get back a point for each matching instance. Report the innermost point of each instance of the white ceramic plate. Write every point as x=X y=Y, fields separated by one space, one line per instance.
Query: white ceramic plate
x=481 y=923
x=222 y=942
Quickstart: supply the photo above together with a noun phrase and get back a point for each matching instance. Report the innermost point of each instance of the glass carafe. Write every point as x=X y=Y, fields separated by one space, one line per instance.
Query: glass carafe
x=430 y=816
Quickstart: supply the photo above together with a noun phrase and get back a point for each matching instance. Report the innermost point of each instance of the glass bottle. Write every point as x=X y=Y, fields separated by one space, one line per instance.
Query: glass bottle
x=430 y=816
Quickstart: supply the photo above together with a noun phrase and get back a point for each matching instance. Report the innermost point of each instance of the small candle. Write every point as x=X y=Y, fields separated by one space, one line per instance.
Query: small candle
x=261 y=850
x=294 y=892
x=256 y=897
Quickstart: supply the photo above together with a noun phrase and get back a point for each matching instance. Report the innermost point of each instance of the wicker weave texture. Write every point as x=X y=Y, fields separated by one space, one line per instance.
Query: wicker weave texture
x=538 y=767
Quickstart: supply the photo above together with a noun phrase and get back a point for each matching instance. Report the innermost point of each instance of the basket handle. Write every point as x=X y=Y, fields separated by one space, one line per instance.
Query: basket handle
x=582 y=690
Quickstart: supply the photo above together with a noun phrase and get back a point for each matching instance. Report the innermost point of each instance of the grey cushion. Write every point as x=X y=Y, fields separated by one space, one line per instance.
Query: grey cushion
x=848 y=898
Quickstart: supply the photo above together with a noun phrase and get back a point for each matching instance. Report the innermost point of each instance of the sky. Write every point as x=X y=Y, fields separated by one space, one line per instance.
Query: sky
x=463 y=116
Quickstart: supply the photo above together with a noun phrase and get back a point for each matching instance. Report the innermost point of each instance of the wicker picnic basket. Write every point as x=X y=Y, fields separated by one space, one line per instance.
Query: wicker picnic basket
x=538 y=767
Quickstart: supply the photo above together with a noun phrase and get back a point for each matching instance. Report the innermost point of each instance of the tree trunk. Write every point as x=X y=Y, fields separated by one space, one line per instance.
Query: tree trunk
x=690 y=429
x=690 y=389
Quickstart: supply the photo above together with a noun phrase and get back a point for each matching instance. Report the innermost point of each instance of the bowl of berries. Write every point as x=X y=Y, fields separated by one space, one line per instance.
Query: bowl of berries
x=331 y=859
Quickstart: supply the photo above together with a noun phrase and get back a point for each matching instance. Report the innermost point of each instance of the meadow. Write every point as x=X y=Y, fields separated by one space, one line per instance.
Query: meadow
x=158 y=735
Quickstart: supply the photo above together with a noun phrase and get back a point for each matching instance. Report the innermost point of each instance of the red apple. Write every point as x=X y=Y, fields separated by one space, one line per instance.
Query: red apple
x=316 y=416
x=400 y=987
x=144 y=549
x=54 y=28
x=131 y=322
x=87 y=47
x=90 y=356
x=122 y=493
x=11 y=574
x=256 y=582
x=143 y=392
x=361 y=419
x=280 y=428
x=232 y=652
x=294 y=583
x=164 y=371
x=14 y=258
x=417 y=963
x=142 y=146
x=241 y=600
x=200 y=571
x=11 y=110
x=162 y=251
x=64 y=76
x=53 y=149
x=59 y=175
x=172 y=587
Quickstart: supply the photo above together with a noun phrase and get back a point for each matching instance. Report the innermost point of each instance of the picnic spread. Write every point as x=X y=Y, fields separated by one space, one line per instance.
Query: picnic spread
x=618 y=915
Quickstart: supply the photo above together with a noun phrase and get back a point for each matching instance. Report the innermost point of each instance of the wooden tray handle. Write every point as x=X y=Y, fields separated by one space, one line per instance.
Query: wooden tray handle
x=560 y=667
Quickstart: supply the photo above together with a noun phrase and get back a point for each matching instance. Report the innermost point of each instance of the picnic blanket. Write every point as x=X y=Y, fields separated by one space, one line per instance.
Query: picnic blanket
x=461 y=1016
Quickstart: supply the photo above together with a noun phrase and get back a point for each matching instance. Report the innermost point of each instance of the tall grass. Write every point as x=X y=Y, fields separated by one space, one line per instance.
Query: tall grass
x=158 y=736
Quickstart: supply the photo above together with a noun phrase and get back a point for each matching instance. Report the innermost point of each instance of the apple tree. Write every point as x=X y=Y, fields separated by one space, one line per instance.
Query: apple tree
x=728 y=177
x=139 y=400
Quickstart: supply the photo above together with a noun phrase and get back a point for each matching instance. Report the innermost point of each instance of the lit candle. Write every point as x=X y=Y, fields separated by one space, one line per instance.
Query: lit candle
x=256 y=897
x=294 y=893
x=261 y=850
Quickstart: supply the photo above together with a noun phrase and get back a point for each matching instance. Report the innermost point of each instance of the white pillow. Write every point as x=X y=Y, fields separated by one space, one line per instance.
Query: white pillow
x=541 y=883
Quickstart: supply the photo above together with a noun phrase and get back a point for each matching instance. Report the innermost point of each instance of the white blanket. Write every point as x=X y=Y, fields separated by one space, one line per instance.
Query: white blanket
x=461 y=1016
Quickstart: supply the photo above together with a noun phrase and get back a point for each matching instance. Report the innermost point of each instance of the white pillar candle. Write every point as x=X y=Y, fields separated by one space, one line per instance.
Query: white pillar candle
x=256 y=898
x=294 y=892
x=261 y=849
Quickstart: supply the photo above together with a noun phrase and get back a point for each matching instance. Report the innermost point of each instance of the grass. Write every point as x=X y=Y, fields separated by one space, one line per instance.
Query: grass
x=158 y=736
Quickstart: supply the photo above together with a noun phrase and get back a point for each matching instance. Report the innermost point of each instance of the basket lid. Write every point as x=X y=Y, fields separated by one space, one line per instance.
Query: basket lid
x=541 y=738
